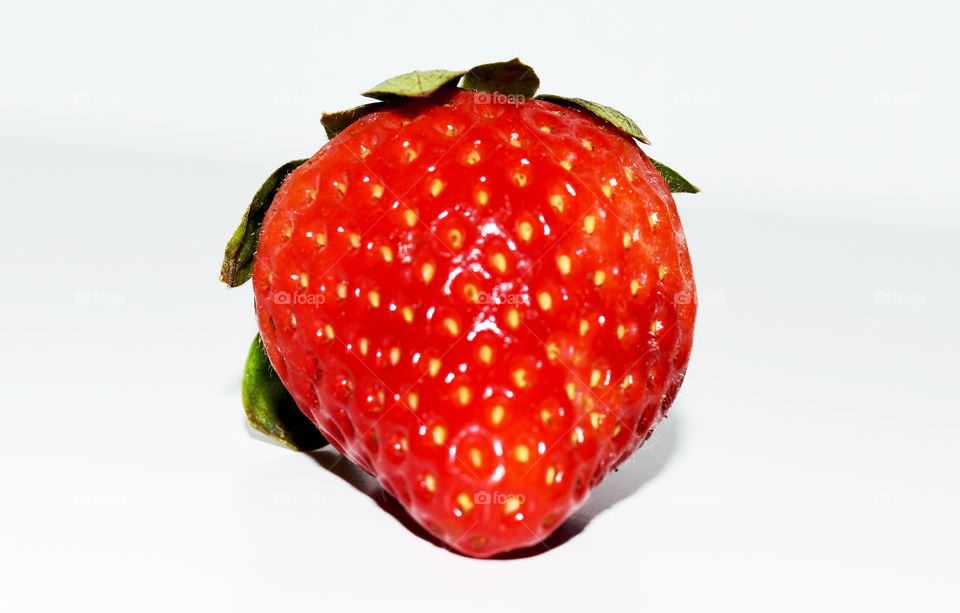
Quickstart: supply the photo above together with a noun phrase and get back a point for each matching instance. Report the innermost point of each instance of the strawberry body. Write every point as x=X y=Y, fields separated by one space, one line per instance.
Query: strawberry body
x=487 y=306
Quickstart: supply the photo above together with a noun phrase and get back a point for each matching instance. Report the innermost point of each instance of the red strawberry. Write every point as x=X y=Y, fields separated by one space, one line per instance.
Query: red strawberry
x=484 y=301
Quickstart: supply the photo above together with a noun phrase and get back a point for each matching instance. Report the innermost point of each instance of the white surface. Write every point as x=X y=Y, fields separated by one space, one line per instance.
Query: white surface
x=810 y=461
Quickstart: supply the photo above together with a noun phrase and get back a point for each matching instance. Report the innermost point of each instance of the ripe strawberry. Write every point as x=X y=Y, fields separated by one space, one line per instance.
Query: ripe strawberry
x=484 y=301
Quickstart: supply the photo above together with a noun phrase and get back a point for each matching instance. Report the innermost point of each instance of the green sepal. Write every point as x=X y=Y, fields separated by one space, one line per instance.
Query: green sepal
x=334 y=123
x=269 y=406
x=513 y=78
x=611 y=115
x=675 y=182
x=238 y=256
x=416 y=84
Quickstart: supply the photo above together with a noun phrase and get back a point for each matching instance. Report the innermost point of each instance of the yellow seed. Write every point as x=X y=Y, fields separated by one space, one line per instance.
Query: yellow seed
x=627 y=382
x=512 y=505
x=387 y=254
x=546 y=129
x=413 y=400
x=628 y=173
x=513 y=141
x=656 y=327
x=433 y=367
x=621 y=331
x=545 y=301
x=653 y=220
x=321 y=239
x=341 y=290
x=376 y=191
x=451 y=326
x=595 y=378
x=553 y=350
x=661 y=272
x=556 y=201
x=564 y=264
x=486 y=354
x=546 y=417
x=584 y=327
x=427 y=272
x=463 y=395
x=364 y=345
x=328 y=332
x=499 y=262
x=354 y=240
x=364 y=152
x=287 y=232
x=627 y=241
x=439 y=434
x=465 y=503
x=571 y=390
x=520 y=178
x=595 y=420
x=634 y=287
x=513 y=318
x=551 y=475
x=616 y=430
x=470 y=292
x=567 y=165
x=496 y=415
x=436 y=186
x=520 y=378
x=476 y=458
x=526 y=231
x=410 y=155
x=522 y=453
x=599 y=277
x=374 y=297
x=455 y=237
x=587 y=145
x=473 y=157
x=395 y=356
x=606 y=189
x=430 y=483
x=589 y=224
x=340 y=188
x=407 y=312
x=312 y=194
x=483 y=197
x=304 y=280
x=410 y=218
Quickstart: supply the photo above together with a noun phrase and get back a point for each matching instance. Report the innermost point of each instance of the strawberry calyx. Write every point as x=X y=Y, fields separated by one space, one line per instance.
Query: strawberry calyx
x=269 y=406
x=510 y=78
x=238 y=257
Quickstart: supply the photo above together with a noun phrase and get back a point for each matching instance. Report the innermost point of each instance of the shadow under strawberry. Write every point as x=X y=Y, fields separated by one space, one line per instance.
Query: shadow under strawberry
x=640 y=468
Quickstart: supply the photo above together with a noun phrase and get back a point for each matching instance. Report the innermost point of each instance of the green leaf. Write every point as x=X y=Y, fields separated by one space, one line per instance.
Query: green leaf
x=271 y=409
x=238 y=257
x=611 y=115
x=334 y=123
x=416 y=84
x=512 y=78
x=675 y=182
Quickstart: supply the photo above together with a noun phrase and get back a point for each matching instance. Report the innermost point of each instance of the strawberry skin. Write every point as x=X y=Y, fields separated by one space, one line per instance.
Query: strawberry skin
x=487 y=306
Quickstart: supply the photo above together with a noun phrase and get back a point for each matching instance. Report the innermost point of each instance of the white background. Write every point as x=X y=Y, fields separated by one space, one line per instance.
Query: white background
x=810 y=462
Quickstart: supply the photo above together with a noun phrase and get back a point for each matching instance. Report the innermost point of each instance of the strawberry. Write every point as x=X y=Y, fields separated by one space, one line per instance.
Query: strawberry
x=483 y=299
